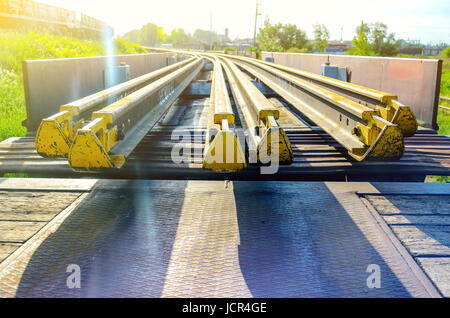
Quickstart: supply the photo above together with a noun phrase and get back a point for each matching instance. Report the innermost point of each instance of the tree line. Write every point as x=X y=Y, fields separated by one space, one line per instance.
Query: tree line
x=370 y=38
x=151 y=35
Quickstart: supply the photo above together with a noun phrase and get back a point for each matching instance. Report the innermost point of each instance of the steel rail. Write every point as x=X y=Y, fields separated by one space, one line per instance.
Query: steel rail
x=358 y=128
x=223 y=151
x=387 y=104
x=266 y=140
x=115 y=131
x=55 y=133
x=444 y=108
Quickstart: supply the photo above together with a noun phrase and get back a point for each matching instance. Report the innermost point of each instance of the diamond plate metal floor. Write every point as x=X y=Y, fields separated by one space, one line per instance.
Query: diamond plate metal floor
x=218 y=239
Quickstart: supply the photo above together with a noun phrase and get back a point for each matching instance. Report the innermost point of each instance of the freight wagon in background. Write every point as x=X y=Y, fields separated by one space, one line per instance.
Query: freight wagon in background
x=28 y=14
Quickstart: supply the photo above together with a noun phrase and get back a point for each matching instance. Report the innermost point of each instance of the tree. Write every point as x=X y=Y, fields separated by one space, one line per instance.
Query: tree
x=373 y=39
x=177 y=37
x=148 y=35
x=390 y=47
x=205 y=36
x=161 y=34
x=269 y=37
x=291 y=36
x=281 y=37
x=361 y=42
x=321 y=37
x=382 y=43
x=132 y=36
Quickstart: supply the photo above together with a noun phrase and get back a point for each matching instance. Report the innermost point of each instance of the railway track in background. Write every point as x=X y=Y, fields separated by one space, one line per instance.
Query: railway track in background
x=28 y=13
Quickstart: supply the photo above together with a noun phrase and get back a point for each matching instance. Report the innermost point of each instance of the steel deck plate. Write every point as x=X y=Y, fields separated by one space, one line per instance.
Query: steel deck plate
x=218 y=239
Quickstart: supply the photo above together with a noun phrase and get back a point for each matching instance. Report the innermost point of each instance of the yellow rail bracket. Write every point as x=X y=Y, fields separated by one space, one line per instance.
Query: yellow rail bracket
x=401 y=115
x=275 y=144
x=385 y=140
x=55 y=135
x=225 y=153
x=91 y=145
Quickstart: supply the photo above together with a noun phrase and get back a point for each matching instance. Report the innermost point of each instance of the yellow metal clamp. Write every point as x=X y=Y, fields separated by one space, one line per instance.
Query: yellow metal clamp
x=92 y=144
x=224 y=153
x=55 y=134
x=267 y=149
x=401 y=115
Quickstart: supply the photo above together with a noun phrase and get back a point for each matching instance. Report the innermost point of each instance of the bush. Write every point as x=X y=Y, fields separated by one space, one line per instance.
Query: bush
x=229 y=49
x=254 y=49
x=446 y=52
x=124 y=47
x=297 y=50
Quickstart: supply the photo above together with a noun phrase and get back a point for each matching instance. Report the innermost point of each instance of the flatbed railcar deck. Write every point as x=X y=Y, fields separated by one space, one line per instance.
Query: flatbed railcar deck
x=316 y=155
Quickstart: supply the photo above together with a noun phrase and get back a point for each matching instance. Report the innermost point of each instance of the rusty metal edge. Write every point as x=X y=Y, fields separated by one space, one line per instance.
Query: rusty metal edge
x=437 y=95
x=421 y=276
x=26 y=122
x=29 y=247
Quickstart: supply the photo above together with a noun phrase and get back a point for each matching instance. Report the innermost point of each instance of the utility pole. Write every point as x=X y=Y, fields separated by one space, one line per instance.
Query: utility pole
x=256 y=21
x=210 y=29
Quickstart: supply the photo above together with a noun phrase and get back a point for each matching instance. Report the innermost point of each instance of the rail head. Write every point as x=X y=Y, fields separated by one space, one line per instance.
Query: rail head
x=220 y=98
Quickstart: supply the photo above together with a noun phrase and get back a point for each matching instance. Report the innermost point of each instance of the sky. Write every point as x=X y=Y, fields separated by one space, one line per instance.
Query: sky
x=424 y=20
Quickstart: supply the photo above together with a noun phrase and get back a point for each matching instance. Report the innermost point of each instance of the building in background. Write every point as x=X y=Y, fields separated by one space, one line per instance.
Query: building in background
x=434 y=50
x=338 y=47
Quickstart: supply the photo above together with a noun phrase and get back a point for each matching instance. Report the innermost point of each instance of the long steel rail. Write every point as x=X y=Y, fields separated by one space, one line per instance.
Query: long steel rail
x=223 y=151
x=56 y=133
x=266 y=140
x=99 y=132
x=359 y=128
x=114 y=132
x=386 y=104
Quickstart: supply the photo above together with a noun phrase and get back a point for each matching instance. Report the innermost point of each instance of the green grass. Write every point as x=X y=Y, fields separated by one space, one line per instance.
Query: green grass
x=12 y=105
x=443 y=118
x=445 y=82
x=15 y=175
x=16 y=47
